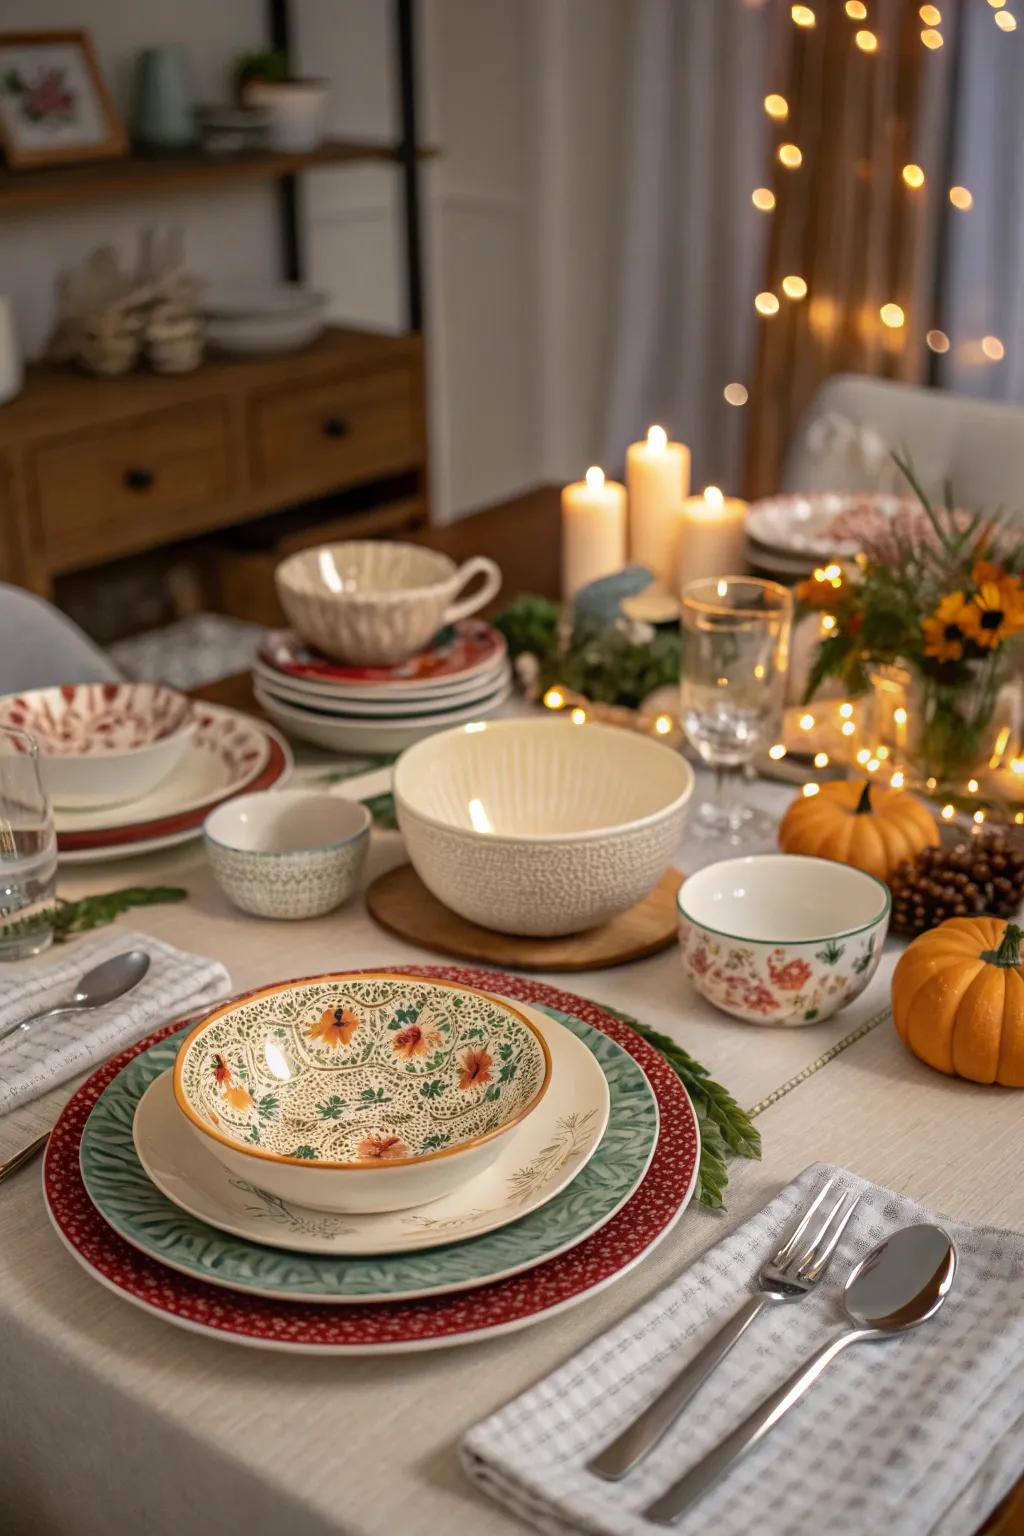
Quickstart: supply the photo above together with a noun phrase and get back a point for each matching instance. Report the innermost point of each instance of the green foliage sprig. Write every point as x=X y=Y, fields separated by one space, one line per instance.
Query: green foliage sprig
x=724 y=1127
x=619 y=663
x=72 y=917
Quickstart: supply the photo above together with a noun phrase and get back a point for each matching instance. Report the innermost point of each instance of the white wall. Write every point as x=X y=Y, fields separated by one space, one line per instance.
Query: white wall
x=519 y=211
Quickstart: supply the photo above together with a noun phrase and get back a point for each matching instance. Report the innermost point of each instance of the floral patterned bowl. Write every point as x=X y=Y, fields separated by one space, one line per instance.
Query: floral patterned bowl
x=364 y=1091
x=780 y=939
x=103 y=743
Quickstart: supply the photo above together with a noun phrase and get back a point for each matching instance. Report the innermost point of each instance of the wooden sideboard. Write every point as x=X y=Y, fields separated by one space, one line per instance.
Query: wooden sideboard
x=93 y=469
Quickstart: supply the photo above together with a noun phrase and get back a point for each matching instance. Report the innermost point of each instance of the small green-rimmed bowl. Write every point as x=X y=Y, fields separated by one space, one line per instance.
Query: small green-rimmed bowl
x=366 y=1091
x=288 y=854
x=776 y=938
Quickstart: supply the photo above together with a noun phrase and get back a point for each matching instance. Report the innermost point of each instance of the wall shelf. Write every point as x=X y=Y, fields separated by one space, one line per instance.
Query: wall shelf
x=138 y=175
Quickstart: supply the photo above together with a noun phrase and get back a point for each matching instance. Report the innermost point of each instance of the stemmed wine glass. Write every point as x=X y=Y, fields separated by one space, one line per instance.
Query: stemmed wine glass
x=28 y=850
x=735 y=651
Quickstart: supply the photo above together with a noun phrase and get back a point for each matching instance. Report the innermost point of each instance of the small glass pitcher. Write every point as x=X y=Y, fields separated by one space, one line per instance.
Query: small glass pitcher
x=28 y=850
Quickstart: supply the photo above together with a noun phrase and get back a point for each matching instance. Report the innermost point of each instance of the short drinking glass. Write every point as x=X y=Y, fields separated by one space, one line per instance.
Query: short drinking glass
x=28 y=850
x=735 y=651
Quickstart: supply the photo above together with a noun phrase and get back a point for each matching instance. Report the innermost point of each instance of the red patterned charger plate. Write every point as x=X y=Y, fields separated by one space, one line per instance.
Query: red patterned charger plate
x=391 y=1326
x=462 y=650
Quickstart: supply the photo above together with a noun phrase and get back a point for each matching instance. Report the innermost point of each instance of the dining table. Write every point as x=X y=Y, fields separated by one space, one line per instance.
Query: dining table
x=113 y=1420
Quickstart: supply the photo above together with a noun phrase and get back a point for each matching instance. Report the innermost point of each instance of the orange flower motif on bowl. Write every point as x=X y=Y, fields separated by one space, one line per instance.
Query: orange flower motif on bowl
x=762 y=983
x=476 y=1069
x=335 y=1027
x=416 y=1040
x=378 y=1148
x=791 y=976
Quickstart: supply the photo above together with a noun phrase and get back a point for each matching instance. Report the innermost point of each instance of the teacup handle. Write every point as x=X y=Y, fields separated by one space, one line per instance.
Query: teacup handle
x=462 y=607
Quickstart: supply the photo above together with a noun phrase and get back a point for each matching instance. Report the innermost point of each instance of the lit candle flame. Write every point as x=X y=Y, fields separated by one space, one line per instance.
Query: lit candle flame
x=713 y=498
x=657 y=439
x=595 y=478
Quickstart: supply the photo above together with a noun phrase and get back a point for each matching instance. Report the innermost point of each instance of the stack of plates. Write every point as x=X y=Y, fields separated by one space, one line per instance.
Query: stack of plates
x=252 y=319
x=463 y=675
x=590 y=1181
x=788 y=536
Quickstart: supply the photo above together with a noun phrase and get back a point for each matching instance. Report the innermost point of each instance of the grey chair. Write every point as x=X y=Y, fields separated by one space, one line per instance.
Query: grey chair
x=845 y=438
x=40 y=647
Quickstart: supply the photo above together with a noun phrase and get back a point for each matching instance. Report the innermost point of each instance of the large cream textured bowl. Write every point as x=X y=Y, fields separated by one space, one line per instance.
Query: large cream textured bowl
x=374 y=603
x=538 y=826
x=360 y=1091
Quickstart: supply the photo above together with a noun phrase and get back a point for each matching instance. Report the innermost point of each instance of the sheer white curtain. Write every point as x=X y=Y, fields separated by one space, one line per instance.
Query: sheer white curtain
x=692 y=244
x=982 y=289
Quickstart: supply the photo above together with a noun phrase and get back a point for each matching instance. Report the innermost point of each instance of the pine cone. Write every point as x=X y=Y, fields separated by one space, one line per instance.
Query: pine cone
x=984 y=875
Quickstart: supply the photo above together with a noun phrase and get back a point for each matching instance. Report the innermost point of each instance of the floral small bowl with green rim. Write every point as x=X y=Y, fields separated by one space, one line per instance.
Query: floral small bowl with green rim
x=360 y=1091
x=778 y=938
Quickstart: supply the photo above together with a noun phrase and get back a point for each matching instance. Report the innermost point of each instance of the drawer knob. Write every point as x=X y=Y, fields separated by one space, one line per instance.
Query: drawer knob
x=138 y=479
x=335 y=426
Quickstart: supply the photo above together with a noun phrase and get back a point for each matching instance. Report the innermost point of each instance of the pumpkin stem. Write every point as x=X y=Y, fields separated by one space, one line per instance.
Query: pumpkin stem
x=1008 y=953
x=864 y=803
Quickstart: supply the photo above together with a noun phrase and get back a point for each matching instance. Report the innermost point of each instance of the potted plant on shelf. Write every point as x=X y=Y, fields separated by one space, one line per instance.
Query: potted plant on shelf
x=296 y=107
x=930 y=620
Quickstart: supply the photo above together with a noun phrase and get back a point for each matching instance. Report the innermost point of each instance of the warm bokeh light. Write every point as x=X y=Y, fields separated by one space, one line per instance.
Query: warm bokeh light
x=993 y=348
x=961 y=198
x=776 y=105
x=863 y=755
x=937 y=340
x=847 y=727
x=735 y=394
x=763 y=198
x=554 y=698
x=807 y=722
x=594 y=478
x=1006 y=21
x=897 y=780
x=892 y=316
x=777 y=752
x=866 y=41
x=846 y=710
x=803 y=15
x=930 y=15
x=663 y=725
x=931 y=38
x=766 y=304
x=913 y=175
x=972 y=786
x=578 y=716
x=997 y=4
x=856 y=10
x=791 y=156
x=810 y=790
x=794 y=287
x=821 y=759
x=900 y=715
x=948 y=812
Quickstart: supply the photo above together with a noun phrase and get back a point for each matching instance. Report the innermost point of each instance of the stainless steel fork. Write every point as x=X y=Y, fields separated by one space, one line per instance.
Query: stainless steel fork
x=787 y=1276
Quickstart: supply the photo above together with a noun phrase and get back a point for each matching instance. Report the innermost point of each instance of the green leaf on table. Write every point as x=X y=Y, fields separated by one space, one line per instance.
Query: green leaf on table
x=382 y=809
x=724 y=1127
x=88 y=912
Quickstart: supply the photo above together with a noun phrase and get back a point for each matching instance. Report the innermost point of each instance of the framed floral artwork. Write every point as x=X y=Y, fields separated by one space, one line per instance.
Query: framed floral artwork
x=54 y=104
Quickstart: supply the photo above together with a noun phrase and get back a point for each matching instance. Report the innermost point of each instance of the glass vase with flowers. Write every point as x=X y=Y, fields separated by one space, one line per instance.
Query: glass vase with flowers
x=933 y=604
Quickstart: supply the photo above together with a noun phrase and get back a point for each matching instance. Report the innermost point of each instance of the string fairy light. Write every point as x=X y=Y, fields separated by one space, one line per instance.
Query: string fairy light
x=930 y=15
x=961 y=198
x=993 y=348
x=794 y=287
x=803 y=16
x=766 y=303
x=763 y=198
x=791 y=156
x=866 y=40
x=856 y=10
x=913 y=175
x=892 y=315
x=931 y=38
x=938 y=341
x=735 y=393
x=776 y=106
x=1006 y=21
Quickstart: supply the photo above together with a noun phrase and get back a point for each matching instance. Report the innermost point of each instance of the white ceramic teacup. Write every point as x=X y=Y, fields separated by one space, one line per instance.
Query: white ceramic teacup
x=375 y=603
x=288 y=854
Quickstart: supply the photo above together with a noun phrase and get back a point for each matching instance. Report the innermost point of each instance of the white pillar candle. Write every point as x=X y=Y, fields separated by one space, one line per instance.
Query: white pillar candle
x=657 y=478
x=711 y=537
x=593 y=530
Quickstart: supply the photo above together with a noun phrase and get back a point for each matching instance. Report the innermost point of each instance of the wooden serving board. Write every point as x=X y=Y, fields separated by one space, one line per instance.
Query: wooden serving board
x=401 y=903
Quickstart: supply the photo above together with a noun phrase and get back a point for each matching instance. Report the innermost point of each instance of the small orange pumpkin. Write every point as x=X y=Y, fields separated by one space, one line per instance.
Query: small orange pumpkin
x=874 y=829
x=958 y=999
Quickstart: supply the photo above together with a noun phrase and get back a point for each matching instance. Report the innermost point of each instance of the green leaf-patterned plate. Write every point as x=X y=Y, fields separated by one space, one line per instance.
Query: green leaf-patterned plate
x=122 y=1192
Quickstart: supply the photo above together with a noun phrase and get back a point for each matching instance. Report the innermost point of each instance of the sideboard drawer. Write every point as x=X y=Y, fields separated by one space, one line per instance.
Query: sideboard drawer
x=337 y=431
x=144 y=481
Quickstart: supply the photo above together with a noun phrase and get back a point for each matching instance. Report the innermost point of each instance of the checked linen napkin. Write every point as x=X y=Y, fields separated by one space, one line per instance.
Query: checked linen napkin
x=914 y=1436
x=57 y=1049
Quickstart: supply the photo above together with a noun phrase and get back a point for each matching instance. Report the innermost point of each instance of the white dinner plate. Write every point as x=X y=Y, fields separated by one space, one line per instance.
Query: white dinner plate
x=553 y=1145
x=800 y=526
x=370 y=736
x=232 y=753
x=355 y=706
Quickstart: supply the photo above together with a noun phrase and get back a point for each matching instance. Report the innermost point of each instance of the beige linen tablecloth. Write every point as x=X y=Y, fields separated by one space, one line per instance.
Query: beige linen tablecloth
x=114 y=1421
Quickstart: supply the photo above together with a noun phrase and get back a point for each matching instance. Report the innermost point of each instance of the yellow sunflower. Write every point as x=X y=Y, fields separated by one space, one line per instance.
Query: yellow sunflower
x=946 y=631
x=995 y=613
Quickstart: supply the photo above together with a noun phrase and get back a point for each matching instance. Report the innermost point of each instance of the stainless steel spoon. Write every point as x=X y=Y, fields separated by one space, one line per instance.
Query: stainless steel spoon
x=901 y=1283
x=103 y=984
